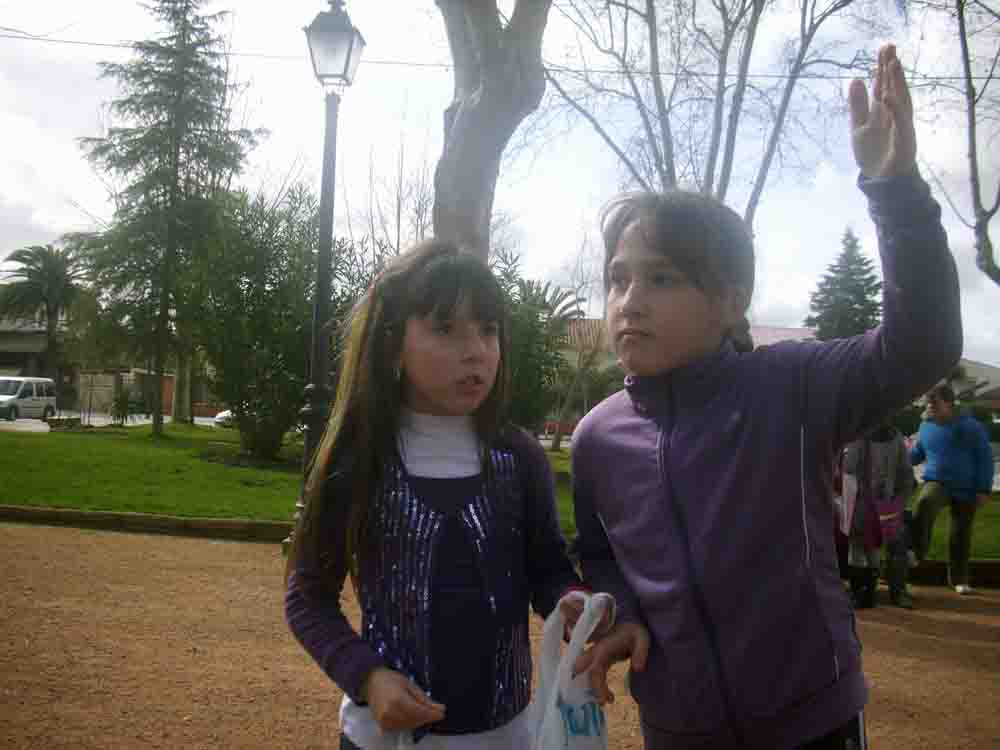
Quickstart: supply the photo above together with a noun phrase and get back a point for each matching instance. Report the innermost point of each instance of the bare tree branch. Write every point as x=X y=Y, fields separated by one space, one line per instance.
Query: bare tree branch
x=947 y=194
x=605 y=136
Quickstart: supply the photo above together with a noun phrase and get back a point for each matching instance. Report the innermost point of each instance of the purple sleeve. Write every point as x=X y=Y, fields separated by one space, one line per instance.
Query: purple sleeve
x=316 y=619
x=600 y=568
x=851 y=384
x=550 y=571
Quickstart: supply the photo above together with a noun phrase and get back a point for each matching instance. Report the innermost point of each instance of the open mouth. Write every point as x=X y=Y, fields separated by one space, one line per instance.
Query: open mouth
x=471 y=381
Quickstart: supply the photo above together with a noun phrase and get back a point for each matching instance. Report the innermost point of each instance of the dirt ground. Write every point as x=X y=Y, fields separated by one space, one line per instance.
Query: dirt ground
x=114 y=641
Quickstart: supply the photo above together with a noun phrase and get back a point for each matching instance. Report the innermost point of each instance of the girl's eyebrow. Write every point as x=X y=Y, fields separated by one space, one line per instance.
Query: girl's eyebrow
x=652 y=263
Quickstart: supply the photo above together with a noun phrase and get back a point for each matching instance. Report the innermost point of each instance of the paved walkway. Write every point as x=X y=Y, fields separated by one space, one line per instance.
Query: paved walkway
x=94 y=419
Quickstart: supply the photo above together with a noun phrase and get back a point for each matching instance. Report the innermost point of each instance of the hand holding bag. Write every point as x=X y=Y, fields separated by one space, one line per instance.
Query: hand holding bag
x=564 y=712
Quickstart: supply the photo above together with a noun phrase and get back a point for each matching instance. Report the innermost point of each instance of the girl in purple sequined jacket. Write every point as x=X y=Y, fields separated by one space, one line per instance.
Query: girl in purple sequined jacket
x=442 y=515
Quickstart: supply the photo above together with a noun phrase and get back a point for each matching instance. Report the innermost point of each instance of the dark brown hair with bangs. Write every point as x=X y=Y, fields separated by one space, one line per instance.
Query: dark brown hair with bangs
x=433 y=278
x=704 y=239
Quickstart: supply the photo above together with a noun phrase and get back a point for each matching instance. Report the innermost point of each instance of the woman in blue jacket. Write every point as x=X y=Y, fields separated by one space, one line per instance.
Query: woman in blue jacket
x=959 y=473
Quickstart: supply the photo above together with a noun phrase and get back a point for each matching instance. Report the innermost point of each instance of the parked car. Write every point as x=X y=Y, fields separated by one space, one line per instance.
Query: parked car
x=27 y=397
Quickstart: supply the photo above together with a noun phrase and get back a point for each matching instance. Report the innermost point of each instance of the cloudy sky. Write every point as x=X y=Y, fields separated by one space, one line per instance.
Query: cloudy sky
x=51 y=96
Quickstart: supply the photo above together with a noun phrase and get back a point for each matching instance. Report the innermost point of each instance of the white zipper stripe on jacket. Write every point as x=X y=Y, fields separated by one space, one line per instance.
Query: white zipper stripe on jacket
x=805 y=525
x=802 y=484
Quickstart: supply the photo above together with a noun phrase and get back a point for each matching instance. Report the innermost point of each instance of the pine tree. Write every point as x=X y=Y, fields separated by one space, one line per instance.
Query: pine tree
x=847 y=301
x=172 y=147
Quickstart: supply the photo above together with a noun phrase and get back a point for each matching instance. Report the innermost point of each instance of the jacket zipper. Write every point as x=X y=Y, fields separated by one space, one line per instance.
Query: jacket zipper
x=697 y=595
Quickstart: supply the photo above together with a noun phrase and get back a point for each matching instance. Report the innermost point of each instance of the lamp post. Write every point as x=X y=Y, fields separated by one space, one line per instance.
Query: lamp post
x=335 y=48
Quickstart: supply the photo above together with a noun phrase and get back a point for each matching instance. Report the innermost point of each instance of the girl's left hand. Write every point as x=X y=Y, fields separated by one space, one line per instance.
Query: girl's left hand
x=884 y=139
x=982 y=498
x=626 y=640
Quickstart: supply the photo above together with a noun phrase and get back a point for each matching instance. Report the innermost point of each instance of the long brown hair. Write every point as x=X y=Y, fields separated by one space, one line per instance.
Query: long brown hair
x=705 y=240
x=432 y=278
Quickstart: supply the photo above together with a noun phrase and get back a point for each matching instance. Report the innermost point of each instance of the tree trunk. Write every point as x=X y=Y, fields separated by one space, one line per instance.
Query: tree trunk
x=182 y=384
x=736 y=108
x=775 y=136
x=985 y=259
x=499 y=80
x=51 y=343
x=567 y=402
x=160 y=358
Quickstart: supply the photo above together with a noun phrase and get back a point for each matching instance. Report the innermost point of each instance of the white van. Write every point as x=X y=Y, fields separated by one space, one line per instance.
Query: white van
x=27 y=397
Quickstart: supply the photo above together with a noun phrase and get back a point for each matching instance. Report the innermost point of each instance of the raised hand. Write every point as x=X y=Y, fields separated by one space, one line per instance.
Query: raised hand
x=883 y=136
x=397 y=704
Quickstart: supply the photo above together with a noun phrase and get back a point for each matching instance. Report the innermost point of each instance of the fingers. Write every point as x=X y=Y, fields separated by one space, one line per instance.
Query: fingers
x=898 y=94
x=857 y=100
x=626 y=641
x=409 y=709
x=583 y=662
x=878 y=86
x=398 y=704
x=598 y=675
x=640 y=650
x=424 y=702
x=571 y=610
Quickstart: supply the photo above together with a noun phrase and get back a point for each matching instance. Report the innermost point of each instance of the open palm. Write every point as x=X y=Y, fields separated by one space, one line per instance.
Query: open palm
x=883 y=136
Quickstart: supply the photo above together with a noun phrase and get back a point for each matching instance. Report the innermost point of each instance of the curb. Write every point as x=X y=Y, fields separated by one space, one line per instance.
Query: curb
x=237 y=529
x=935 y=573
x=928 y=573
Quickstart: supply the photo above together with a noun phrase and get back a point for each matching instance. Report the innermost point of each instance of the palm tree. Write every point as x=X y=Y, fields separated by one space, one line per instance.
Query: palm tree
x=47 y=280
x=559 y=306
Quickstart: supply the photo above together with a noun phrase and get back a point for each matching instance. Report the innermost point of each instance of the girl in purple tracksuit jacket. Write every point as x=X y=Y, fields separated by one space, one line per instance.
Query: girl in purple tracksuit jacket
x=442 y=515
x=702 y=491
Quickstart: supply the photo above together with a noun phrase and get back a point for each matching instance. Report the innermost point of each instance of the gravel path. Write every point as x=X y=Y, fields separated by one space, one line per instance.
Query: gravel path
x=113 y=641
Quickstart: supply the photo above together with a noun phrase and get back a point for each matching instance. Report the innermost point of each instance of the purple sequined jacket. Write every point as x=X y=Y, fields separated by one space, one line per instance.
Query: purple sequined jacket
x=703 y=503
x=504 y=533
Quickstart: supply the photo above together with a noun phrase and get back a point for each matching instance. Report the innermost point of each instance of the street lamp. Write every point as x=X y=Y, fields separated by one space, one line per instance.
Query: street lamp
x=335 y=48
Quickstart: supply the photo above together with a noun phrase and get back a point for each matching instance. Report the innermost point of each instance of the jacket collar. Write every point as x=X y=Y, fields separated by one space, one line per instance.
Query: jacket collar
x=694 y=382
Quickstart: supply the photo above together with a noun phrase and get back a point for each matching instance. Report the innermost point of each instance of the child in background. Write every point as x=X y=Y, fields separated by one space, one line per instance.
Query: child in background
x=877 y=484
x=702 y=491
x=442 y=514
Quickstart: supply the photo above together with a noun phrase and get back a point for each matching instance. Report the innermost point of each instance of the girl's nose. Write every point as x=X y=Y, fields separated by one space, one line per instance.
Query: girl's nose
x=632 y=301
x=475 y=346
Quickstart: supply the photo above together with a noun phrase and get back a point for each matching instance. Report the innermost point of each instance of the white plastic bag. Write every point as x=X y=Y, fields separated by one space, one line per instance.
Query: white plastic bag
x=565 y=714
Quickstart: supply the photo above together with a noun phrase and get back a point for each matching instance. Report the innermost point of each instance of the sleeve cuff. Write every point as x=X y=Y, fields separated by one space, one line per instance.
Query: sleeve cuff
x=354 y=678
x=897 y=197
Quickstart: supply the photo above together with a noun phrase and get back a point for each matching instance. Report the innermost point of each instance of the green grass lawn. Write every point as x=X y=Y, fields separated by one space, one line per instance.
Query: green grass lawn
x=192 y=472
x=985 y=539
x=197 y=472
x=985 y=533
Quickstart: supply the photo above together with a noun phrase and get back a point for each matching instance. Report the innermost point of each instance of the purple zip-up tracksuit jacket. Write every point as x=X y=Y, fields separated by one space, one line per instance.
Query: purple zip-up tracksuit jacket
x=703 y=503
